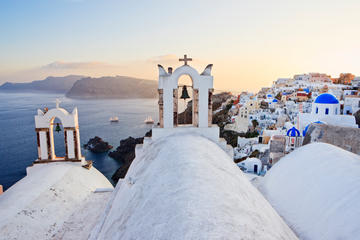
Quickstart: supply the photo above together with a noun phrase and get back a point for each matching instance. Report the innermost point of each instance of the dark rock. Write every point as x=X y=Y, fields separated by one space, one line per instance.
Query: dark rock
x=97 y=145
x=125 y=154
x=217 y=99
x=186 y=116
x=357 y=117
x=232 y=136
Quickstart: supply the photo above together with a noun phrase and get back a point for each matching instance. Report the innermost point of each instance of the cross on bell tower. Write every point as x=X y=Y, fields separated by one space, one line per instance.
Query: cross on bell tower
x=185 y=59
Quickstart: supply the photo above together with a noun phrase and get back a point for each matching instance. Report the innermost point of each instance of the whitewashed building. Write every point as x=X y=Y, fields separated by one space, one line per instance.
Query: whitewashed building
x=325 y=108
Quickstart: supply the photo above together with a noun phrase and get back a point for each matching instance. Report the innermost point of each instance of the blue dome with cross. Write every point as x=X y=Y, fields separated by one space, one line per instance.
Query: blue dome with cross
x=293 y=132
x=326 y=98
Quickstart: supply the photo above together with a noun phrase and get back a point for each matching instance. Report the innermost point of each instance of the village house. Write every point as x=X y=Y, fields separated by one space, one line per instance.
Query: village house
x=351 y=104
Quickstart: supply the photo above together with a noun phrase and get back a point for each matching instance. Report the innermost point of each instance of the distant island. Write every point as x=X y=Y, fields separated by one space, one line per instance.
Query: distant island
x=82 y=87
x=113 y=87
x=49 y=84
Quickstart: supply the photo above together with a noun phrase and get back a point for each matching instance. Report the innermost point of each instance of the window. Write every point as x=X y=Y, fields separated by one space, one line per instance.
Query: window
x=336 y=111
x=317 y=110
x=326 y=111
x=359 y=104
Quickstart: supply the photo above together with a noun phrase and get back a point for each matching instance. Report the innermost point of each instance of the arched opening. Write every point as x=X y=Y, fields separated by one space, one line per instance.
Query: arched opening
x=184 y=101
x=317 y=110
x=327 y=111
x=57 y=138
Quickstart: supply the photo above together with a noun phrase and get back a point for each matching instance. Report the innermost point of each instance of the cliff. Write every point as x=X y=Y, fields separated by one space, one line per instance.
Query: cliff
x=113 y=87
x=344 y=137
x=49 y=84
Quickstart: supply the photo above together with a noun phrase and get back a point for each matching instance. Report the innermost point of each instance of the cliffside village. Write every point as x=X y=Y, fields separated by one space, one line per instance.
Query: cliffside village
x=293 y=112
x=183 y=183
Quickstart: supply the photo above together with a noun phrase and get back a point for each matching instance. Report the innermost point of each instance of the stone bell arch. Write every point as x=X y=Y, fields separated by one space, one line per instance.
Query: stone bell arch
x=202 y=95
x=45 y=138
x=202 y=106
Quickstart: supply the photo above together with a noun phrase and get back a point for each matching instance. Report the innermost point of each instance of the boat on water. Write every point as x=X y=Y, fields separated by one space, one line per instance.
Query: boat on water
x=149 y=120
x=114 y=119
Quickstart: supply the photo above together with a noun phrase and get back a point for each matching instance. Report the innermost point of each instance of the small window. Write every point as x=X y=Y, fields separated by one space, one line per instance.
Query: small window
x=326 y=111
x=317 y=110
x=336 y=111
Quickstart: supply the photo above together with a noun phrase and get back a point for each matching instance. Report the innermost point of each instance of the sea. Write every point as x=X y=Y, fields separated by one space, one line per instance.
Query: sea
x=18 y=146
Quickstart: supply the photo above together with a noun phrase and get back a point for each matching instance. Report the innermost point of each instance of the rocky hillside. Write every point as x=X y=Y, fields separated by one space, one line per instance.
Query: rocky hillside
x=218 y=99
x=49 y=84
x=113 y=87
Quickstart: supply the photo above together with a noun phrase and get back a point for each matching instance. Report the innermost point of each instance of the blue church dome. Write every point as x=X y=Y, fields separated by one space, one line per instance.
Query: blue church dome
x=275 y=100
x=293 y=132
x=307 y=126
x=326 y=98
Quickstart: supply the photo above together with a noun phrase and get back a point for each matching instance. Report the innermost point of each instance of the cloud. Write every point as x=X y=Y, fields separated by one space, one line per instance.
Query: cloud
x=77 y=65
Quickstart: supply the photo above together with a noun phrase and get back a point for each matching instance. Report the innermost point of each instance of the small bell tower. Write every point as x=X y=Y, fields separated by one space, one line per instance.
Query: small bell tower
x=44 y=123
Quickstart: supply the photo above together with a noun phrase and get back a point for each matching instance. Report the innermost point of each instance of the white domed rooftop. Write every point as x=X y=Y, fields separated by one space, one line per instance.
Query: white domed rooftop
x=326 y=98
x=54 y=201
x=316 y=189
x=192 y=190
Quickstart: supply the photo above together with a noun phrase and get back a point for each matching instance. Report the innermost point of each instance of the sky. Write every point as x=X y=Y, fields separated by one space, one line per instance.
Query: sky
x=250 y=43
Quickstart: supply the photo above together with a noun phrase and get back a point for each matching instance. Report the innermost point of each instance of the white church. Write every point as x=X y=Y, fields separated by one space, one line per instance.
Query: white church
x=325 y=109
x=182 y=184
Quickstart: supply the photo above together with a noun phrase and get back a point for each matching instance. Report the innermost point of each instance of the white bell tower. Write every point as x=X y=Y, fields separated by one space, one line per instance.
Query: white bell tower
x=44 y=121
x=202 y=85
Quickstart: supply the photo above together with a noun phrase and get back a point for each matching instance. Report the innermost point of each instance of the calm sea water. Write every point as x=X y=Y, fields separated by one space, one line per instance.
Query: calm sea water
x=18 y=147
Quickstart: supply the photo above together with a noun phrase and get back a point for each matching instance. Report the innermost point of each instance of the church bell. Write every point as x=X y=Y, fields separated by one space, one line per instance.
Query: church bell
x=184 y=94
x=58 y=128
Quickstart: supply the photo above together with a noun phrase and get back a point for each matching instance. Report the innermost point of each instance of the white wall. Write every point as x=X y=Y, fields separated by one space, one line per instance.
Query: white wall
x=70 y=143
x=43 y=145
x=334 y=109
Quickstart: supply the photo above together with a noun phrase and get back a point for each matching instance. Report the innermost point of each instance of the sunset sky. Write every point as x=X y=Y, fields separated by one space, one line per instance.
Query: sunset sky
x=250 y=43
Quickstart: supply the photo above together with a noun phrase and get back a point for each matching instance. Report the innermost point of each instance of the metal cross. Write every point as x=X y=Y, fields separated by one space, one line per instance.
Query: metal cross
x=185 y=59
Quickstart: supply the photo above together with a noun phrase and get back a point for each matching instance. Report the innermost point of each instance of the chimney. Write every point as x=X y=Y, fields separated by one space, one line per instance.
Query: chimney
x=170 y=70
